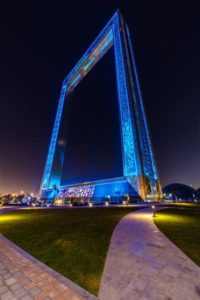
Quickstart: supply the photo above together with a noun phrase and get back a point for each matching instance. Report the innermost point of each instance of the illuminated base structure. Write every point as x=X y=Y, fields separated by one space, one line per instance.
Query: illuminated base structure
x=140 y=178
x=113 y=190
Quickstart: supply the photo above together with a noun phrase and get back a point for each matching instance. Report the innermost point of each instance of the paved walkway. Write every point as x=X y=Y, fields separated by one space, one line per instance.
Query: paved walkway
x=6 y=209
x=24 y=277
x=143 y=264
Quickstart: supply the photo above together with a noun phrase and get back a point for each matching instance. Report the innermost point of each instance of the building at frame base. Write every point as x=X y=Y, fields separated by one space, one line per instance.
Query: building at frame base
x=114 y=190
x=140 y=178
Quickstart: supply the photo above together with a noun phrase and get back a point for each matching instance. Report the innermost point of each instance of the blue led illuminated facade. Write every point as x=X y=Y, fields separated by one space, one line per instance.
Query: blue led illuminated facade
x=140 y=176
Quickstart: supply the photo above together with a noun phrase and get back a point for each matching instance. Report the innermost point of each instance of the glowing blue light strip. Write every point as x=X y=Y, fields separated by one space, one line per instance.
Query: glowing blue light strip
x=106 y=44
x=89 y=51
x=103 y=47
x=89 y=64
x=76 y=79
x=142 y=107
x=52 y=147
x=91 y=183
x=94 y=182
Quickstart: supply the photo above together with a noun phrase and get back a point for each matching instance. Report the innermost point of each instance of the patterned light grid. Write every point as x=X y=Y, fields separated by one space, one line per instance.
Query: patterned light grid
x=129 y=160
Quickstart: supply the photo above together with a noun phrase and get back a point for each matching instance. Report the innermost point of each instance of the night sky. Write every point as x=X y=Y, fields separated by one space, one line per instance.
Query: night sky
x=40 y=43
x=93 y=148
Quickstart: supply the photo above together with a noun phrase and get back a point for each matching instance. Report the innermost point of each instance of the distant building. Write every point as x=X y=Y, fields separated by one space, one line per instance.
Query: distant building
x=178 y=192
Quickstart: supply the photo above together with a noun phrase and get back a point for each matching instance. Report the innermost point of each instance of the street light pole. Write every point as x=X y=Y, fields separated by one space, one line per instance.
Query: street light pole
x=154 y=212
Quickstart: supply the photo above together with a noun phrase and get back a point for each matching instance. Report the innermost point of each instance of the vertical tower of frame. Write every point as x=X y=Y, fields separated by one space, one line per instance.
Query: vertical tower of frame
x=138 y=159
x=147 y=175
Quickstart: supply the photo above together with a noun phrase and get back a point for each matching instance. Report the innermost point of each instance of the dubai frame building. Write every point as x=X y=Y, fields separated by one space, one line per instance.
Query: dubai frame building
x=140 y=177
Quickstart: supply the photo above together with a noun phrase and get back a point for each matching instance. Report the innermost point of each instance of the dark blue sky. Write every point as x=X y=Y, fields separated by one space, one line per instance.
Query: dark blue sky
x=93 y=148
x=42 y=40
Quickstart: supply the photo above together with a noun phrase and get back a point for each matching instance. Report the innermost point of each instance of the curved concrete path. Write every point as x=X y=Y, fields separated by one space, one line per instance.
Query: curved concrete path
x=143 y=264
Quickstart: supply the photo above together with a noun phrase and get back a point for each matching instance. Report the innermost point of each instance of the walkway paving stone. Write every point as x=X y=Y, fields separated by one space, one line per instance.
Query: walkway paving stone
x=24 y=277
x=143 y=264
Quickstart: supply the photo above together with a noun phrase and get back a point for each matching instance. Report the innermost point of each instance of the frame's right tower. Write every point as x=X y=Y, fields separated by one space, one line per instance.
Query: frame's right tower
x=149 y=182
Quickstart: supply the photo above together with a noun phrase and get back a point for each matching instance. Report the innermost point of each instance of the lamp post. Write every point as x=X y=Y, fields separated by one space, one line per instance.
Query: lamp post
x=154 y=212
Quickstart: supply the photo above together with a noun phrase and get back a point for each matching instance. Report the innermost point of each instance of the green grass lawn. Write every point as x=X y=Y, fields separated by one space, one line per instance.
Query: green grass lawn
x=182 y=227
x=184 y=204
x=73 y=242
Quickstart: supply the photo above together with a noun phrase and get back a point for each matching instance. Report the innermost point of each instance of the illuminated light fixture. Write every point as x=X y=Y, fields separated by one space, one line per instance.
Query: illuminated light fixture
x=59 y=202
x=124 y=202
x=89 y=64
x=154 y=213
x=76 y=79
x=90 y=204
x=106 y=203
